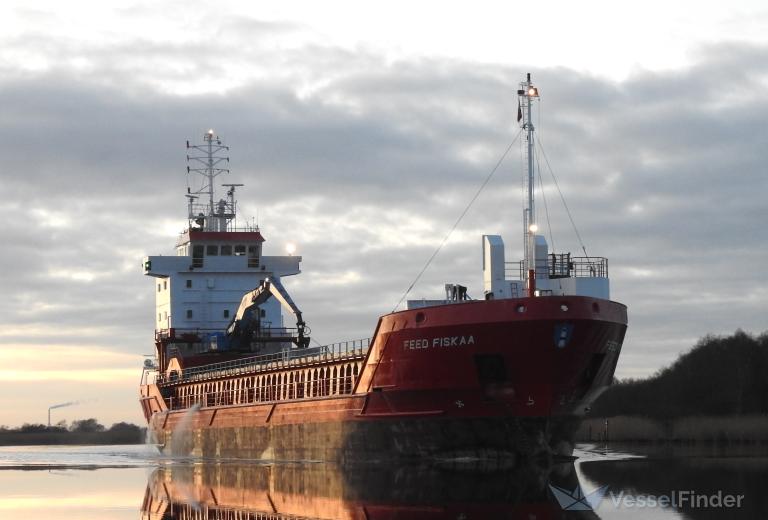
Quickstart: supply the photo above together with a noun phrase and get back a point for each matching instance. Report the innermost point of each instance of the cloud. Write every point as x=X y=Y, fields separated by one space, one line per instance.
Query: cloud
x=101 y=375
x=365 y=163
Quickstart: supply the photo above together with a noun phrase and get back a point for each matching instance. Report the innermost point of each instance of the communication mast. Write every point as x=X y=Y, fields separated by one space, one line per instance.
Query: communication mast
x=215 y=215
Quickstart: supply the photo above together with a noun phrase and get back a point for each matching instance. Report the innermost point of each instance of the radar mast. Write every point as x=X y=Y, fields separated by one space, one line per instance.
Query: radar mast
x=205 y=160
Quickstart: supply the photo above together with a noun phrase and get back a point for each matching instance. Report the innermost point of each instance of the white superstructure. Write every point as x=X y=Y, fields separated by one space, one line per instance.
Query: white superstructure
x=201 y=288
x=555 y=274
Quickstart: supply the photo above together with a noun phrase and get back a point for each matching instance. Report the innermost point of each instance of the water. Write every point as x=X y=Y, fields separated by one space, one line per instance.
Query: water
x=78 y=457
x=136 y=482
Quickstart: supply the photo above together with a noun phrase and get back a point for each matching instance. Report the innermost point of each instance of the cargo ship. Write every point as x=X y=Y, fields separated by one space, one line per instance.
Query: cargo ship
x=502 y=378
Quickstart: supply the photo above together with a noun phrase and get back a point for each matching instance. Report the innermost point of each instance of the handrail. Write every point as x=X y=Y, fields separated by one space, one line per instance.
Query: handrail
x=334 y=351
x=270 y=392
x=176 y=332
x=563 y=266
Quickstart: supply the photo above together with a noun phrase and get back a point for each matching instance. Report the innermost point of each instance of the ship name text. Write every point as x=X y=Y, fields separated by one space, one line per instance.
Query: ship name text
x=446 y=341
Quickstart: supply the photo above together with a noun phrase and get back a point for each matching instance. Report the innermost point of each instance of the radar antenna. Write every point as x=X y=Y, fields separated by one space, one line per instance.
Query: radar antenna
x=231 y=201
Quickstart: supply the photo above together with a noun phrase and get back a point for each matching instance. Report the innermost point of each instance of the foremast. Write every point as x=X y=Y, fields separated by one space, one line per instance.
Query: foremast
x=541 y=272
x=527 y=94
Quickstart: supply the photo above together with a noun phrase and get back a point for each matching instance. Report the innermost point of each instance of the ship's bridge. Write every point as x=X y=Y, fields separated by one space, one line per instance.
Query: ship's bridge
x=201 y=287
x=206 y=244
x=216 y=262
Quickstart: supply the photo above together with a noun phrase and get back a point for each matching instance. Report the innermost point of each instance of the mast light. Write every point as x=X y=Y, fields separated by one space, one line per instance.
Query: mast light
x=533 y=92
x=533 y=228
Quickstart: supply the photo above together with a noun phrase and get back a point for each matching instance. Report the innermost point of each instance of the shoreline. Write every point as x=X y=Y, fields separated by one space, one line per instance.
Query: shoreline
x=10 y=438
x=717 y=430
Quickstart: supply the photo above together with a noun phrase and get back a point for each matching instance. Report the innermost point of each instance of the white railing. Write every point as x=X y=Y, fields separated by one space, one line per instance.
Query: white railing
x=266 y=392
x=333 y=352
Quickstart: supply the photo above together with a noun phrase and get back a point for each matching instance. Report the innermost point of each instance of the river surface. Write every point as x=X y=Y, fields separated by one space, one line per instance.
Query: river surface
x=136 y=482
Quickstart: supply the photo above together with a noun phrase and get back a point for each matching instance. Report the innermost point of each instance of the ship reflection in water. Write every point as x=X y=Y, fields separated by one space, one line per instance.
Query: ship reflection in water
x=126 y=483
x=320 y=491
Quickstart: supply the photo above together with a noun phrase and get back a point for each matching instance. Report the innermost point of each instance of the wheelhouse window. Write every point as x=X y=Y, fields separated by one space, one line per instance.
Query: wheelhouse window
x=197 y=256
x=226 y=250
x=240 y=250
x=212 y=250
x=253 y=256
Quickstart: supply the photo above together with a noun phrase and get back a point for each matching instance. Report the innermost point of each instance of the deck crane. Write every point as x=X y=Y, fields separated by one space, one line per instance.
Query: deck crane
x=246 y=324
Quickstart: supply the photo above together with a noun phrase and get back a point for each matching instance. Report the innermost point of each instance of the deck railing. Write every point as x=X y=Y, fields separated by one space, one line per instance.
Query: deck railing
x=198 y=334
x=352 y=349
x=562 y=266
x=269 y=392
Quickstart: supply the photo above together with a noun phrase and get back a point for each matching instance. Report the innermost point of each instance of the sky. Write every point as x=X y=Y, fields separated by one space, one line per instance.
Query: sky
x=361 y=131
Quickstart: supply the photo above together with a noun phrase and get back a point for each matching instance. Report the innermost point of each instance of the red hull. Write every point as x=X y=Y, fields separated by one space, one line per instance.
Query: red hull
x=424 y=360
x=476 y=378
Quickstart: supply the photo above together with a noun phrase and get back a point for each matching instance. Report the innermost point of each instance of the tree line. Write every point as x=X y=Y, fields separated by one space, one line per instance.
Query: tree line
x=718 y=376
x=82 y=431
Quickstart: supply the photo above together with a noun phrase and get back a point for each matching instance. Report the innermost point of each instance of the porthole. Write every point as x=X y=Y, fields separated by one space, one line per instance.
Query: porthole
x=521 y=308
x=420 y=317
x=595 y=307
x=564 y=307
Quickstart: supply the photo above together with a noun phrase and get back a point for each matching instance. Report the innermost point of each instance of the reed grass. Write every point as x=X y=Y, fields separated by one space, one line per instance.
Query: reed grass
x=730 y=429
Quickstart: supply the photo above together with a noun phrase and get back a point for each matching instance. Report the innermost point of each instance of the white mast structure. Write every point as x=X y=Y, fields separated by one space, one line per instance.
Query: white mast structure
x=527 y=94
x=215 y=215
x=541 y=273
